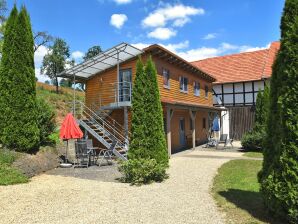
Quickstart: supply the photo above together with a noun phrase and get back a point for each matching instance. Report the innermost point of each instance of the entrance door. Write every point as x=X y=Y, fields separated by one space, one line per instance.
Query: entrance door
x=182 y=131
x=125 y=85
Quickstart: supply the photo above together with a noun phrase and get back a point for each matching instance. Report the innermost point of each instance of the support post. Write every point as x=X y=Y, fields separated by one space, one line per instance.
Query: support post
x=193 y=120
x=169 y=140
x=74 y=95
x=126 y=122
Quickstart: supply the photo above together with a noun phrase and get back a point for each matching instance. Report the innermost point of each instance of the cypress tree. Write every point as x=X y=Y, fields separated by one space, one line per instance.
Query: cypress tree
x=279 y=176
x=7 y=61
x=148 y=138
x=21 y=131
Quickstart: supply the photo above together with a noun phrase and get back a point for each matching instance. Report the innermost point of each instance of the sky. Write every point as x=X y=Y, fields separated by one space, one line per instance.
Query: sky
x=193 y=29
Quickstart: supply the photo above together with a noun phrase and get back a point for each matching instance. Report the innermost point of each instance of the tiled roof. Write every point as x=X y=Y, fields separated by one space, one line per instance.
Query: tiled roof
x=240 y=67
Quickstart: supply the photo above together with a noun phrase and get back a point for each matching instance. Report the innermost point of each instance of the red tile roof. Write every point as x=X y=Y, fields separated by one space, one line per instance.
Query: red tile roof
x=240 y=67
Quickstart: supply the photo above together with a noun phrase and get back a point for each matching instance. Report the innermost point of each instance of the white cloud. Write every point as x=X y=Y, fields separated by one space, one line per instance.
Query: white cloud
x=77 y=55
x=39 y=54
x=175 y=47
x=141 y=45
x=178 y=13
x=210 y=36
x=118 y=20
x=162 y=33
x=121 y=2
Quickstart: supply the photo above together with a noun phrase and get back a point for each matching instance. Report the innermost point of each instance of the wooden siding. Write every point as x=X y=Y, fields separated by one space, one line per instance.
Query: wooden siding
x=100 y=89
x=174 y=93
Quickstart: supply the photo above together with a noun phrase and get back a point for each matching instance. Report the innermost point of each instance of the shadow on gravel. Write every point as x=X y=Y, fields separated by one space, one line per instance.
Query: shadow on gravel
x=251 y=202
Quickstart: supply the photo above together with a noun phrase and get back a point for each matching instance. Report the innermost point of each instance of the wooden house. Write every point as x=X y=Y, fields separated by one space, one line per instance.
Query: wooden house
x=185 y=92
x=239 y=78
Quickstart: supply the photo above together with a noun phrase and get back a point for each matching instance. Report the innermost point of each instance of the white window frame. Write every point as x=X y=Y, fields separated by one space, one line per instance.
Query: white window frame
x=166 y=72
x=196 y=88
x=183 y=84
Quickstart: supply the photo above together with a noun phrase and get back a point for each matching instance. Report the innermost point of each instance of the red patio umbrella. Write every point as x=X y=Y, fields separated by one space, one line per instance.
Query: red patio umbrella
x=70 y=130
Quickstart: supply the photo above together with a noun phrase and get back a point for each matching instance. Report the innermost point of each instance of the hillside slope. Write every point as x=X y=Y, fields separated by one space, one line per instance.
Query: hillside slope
x=60 y=102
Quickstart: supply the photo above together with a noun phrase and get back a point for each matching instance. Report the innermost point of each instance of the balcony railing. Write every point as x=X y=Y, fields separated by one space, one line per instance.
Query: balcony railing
x=114 y=95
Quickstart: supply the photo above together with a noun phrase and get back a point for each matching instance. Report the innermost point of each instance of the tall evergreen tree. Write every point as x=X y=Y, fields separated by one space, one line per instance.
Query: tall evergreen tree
x=279 y=176
x=21 y=129
x=148 y=138
x=6 y=69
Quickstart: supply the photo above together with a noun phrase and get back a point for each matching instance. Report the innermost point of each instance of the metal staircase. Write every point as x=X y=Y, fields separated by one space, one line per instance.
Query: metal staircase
x=107 y=131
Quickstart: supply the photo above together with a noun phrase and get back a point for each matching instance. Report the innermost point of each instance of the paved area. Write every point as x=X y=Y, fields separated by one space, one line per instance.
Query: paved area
x=69 y=196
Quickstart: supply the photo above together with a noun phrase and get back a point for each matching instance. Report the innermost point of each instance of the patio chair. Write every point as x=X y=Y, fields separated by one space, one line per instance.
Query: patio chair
x=91 y=149
x=107 y=154
x=224 y=140
x=82 y=154
x=211 y=142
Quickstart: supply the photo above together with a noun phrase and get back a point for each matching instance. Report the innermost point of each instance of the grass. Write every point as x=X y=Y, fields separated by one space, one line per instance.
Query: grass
x=8 y=174
x=60 y=102
x=254 y=154
x=236 y=190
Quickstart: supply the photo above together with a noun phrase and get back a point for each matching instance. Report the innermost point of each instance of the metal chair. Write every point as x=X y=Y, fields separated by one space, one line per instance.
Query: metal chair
x=107 y=154
x=224 y=140
x=82 y=154
x=91 y=149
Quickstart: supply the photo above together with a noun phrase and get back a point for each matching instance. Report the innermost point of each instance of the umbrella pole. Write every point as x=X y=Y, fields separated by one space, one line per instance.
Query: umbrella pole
x=66 y=160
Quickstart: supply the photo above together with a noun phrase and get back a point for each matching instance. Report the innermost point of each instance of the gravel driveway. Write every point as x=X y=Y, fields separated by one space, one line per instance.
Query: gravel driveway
x=183 y=198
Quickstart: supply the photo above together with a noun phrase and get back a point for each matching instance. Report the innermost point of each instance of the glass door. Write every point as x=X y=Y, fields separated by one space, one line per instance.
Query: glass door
x=125 y=85
x=182 y=131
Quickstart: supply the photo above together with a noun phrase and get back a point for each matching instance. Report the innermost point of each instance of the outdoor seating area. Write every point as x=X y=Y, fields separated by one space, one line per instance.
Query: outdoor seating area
x=87 y=155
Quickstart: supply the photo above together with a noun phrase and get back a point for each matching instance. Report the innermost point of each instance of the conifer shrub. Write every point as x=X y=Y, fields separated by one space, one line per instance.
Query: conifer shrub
x=142 y=171
x=279 y=175
x=46 y=121
x=19 y=129
x=148 y=157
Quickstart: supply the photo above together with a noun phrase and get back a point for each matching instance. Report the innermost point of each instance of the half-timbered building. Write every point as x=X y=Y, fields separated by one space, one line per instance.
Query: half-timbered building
x=239 y=79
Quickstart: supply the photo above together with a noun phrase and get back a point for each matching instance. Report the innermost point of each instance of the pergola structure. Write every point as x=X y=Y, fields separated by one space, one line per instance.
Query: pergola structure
x=100 y=63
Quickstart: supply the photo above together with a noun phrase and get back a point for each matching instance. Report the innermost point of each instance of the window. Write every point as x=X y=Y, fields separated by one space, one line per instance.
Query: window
x=196 y=88
x=166 y=78
x=206 y=91
x=183 y=84
x=204 y=123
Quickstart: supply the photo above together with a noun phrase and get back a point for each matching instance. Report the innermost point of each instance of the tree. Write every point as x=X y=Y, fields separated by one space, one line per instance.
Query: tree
x=65 y=83
x=92 y=51
x=55 y=61
x=42 y=38
x=261 y=112
x=279 y=175
x=3 y=9
x=17 y=70
x=148 y=138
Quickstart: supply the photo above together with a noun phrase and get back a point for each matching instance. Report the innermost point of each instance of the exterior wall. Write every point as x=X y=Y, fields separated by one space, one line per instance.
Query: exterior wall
x=201 y=136
x=174 y=93
x=238 y=93
x=100 y=89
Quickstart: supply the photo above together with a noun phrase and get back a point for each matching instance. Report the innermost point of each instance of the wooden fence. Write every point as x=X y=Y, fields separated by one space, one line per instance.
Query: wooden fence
x=241 y=121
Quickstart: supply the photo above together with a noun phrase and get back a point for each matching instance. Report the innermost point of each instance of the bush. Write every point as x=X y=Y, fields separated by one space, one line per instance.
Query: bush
x=46 y=121
x=253 y=140
x=142 y=171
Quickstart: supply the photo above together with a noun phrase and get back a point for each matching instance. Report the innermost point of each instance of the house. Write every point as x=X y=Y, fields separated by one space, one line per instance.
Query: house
x=239 y=78
x=185 y=93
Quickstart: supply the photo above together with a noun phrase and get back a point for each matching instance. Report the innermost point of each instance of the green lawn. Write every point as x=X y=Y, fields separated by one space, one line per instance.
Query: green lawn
x=254 y=154
x=236 y=190
x=8 y=174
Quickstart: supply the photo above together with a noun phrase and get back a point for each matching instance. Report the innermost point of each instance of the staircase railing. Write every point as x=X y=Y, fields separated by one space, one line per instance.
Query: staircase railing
x=106 y=116
x=81 y=111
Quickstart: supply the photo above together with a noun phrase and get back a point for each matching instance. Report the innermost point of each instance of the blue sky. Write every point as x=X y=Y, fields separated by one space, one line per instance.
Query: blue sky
x=192 y=29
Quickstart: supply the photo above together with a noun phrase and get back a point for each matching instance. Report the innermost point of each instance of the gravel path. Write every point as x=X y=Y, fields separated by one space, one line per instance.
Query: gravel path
x=183 y=198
